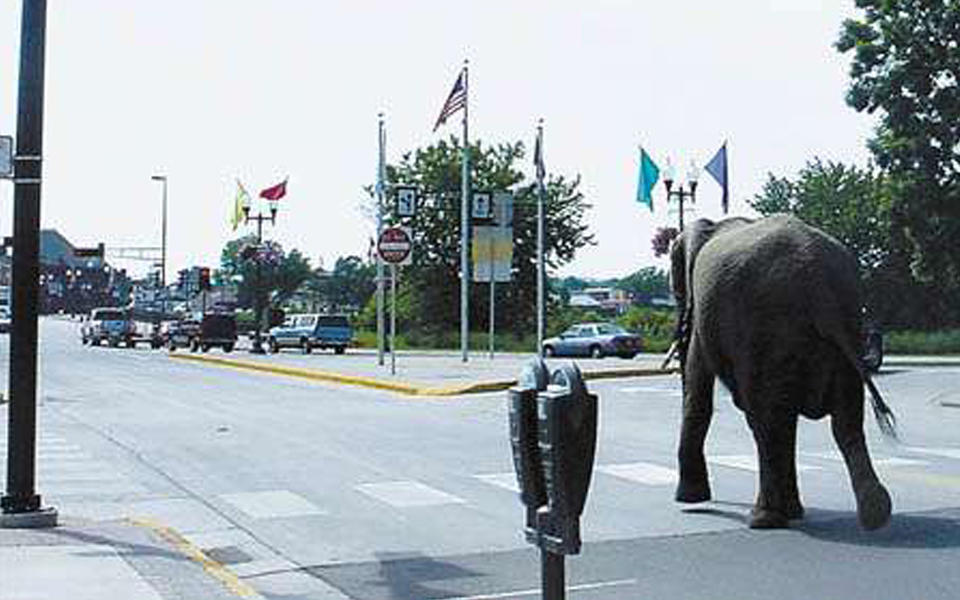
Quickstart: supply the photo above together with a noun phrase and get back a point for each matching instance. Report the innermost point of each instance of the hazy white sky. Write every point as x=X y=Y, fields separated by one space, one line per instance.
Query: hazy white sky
x=209 y=91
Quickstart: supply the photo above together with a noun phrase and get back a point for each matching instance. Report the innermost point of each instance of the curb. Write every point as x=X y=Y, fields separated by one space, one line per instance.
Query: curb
x=221 y=573
x=401 y=387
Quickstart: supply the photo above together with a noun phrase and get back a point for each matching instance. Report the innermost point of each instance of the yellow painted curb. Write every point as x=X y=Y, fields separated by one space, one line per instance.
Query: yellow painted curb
x=191 y=551
x=399 y=387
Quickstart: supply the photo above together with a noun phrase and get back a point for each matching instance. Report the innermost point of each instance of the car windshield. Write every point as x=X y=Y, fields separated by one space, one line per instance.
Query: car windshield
x=609 y=329
x=108 y=315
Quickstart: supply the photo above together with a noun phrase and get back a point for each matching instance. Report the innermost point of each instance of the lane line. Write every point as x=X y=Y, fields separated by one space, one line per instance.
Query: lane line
x=536 y=592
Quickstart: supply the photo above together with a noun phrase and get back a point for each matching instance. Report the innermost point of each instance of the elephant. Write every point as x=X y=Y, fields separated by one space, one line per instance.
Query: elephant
x=772 y=308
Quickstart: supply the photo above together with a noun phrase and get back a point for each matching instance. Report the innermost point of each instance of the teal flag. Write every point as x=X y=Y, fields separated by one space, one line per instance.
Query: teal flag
x=649 y=174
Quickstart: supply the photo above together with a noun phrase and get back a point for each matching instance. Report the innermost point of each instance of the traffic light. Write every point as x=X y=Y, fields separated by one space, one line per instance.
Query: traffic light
x=204 y=278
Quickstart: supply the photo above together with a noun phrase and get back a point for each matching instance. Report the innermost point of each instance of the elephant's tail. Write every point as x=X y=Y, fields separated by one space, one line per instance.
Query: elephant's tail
x=886 y=420
x=885 y=417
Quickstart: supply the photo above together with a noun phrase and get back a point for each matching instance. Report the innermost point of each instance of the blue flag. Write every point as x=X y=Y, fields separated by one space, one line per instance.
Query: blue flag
x=649 y=173
x=718 y=168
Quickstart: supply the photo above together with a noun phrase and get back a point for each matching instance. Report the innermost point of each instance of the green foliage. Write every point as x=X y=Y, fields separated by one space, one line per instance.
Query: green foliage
x=905 y=65
x=431 y=284
x=645 y=284
x=280 y=274
x=920 y=342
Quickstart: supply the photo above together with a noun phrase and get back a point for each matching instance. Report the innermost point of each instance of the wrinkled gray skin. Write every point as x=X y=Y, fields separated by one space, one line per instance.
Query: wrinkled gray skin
x=772 y=308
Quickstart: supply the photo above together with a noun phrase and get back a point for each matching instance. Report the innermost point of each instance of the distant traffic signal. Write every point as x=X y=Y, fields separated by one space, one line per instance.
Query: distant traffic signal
x=204 y=278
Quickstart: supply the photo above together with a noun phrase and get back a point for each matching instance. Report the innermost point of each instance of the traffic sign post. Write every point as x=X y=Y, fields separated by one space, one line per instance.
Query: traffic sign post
x=395 y=246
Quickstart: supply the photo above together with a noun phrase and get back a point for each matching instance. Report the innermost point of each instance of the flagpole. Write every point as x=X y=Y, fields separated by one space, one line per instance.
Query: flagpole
x=464 y=228
x=541 y=275
x=380 y=184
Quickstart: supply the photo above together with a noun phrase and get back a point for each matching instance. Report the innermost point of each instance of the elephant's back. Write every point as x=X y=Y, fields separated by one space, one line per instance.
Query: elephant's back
x=777 y=277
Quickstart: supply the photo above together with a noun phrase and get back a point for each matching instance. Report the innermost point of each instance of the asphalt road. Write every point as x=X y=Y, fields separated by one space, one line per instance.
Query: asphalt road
x=299 y=486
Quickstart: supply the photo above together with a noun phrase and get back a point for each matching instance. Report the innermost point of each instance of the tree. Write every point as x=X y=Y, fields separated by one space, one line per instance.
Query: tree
x=431 y=283
x=351 y=284
x=280 y=273
x=906 y=65
x=645 y=284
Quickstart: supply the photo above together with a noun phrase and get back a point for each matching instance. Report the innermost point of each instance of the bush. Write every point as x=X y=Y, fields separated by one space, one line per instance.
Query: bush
x=922 y=342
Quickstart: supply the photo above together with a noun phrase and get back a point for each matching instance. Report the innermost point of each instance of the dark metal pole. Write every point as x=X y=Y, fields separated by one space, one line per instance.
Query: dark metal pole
x=680 y=195
x=552 y=576
x=21 y=496
x=257 y=300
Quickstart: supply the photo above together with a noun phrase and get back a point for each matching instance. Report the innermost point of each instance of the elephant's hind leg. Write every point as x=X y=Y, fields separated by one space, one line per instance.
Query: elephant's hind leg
x=778 y=500
x=873 y=500
x=694 y=485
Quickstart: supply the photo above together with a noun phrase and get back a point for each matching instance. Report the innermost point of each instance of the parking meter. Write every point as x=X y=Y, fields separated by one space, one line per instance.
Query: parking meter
x=567 y=433
x=522 y=404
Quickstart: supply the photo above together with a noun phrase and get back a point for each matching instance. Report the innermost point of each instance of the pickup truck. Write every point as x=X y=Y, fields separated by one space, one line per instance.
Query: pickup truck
x=212 y=329
x=115 y=326
x=312 y=331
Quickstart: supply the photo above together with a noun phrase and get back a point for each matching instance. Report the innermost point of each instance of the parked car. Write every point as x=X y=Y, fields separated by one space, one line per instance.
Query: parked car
x=312 y=331
x=872 y=348
x=212 y=330
x=594 y=339
x=4 y=319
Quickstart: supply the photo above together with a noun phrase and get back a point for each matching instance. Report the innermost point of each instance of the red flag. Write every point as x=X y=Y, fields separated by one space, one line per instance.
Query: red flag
x=276 y=192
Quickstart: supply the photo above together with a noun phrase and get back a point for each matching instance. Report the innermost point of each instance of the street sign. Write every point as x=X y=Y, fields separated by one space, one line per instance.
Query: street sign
x=503 y=209
x=406 y=201
x=6 y=157
x=481 y=206
x=395 y=245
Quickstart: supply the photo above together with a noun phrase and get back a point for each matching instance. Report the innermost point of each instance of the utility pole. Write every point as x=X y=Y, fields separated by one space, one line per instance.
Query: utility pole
x=21 y=504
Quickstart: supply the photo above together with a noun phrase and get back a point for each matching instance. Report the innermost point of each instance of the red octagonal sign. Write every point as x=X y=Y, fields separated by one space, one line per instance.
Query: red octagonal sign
x=395 y=245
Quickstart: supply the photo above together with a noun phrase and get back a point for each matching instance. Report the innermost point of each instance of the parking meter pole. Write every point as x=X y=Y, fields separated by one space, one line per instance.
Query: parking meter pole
x=552 y=575
x=21 y=503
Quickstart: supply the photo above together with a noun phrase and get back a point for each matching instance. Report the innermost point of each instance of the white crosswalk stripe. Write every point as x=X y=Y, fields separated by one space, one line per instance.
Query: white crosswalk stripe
x=641 y=472
x=406 y=494
x=507 y=481
x=747 y=462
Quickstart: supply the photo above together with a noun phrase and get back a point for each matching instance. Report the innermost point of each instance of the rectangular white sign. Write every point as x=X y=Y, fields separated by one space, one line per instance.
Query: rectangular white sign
x=492 y=253
x=6 y=156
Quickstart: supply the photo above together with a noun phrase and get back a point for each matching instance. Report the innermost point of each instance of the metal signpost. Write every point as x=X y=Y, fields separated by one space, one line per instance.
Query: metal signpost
x=553 y=435
x=395 y=246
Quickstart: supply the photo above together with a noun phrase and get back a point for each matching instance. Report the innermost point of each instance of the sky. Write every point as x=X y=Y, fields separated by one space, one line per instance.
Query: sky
x=207 y=92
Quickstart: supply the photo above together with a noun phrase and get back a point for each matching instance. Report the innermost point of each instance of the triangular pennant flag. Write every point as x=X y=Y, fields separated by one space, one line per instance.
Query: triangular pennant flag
x=718 y=168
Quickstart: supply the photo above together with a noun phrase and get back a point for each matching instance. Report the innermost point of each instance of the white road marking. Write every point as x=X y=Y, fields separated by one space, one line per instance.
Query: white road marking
x=507 y=481
x=642 y=472
x=272 y=504
x=407 y=494
x=651 y=390
x=747 y=462
x=895 y=461
x=536 y=592
x=945 y=452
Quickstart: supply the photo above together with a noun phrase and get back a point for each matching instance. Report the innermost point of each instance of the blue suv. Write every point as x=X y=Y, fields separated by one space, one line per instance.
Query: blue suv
x=312 y=331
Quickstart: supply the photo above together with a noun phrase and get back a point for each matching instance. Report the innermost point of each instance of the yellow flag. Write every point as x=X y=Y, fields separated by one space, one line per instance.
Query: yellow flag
x=242 y=199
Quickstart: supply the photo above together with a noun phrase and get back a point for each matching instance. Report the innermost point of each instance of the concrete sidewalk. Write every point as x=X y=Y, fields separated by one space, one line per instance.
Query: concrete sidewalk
x=94 y=560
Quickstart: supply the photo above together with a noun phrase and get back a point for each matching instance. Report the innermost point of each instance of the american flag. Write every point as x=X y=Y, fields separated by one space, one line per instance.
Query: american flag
x=455 y=101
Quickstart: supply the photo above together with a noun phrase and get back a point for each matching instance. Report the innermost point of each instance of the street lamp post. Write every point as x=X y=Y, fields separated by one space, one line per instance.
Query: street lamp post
x=680 y=194
x=163 y=247
x=260 y=217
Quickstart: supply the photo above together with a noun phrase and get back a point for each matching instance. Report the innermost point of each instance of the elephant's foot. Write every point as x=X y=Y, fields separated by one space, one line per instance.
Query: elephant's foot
x=873 y=507
x=793 y=510
x=693 y=492
x=765 y=518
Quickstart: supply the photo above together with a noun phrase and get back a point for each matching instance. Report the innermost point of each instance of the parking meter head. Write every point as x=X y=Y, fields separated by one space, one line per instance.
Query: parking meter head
x=522 y=406
x=534 y=375
x=567 y=423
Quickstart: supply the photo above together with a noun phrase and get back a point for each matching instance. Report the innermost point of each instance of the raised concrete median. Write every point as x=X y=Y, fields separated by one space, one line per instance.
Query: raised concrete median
x=420 y=373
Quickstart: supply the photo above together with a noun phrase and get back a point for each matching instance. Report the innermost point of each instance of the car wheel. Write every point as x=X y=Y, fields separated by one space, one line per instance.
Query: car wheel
x=205 y=347
x=84 y=341
x=114 y=342
x=274 y=347
x=131 y=344
x=305 y=346
x=596 y=352
x=194 y=345
x=172 y=347
x=340 y=349
x=228 y=347
x=549 y=352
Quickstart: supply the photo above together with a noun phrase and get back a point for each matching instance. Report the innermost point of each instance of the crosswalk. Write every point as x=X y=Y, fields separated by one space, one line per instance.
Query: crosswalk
x=71 y=476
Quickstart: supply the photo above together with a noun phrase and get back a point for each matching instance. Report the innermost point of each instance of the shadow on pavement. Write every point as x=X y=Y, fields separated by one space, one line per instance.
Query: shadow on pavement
x=939 y=529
